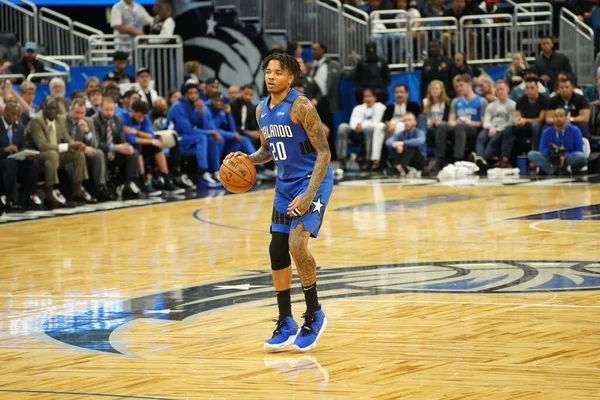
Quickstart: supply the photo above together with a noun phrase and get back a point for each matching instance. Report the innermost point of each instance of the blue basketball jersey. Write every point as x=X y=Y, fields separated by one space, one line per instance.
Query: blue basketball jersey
x=470 y=109
x=288 y=142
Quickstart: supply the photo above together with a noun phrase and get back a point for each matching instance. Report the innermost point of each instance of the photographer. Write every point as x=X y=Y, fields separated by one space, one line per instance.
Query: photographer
x=561 y=147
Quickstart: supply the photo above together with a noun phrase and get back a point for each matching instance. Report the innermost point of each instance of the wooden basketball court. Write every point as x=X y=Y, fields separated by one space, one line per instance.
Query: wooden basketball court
x=430 y=291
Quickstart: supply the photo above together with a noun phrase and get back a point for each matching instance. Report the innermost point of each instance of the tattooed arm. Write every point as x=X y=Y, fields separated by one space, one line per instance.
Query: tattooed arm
x=305 y=114
x=260 y=156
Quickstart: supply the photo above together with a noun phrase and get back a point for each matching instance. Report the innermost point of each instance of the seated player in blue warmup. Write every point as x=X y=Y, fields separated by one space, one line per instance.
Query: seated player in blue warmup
x=197 y=134
x=223 y=120
x=293 y=137
x=130 y=97
x=139 y=133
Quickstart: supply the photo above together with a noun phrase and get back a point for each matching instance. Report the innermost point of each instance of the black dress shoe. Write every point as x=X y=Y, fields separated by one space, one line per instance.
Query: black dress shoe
x=14 y=207
x=104 y=194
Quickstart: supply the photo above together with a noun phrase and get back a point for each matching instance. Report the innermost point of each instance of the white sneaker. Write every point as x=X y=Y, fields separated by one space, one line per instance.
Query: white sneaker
x=60 y=198
x=208 y=178
x=216 y=176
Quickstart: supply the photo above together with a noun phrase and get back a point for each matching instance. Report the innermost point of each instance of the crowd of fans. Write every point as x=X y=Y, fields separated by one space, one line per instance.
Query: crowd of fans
x=120 y=138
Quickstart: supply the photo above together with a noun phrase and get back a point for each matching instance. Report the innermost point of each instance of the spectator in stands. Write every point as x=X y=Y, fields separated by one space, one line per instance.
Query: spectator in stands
x=130 y=97
x=28 y=94
x=114 y=92
x=583 y=9
x=464 y=121
x=498 y=117
x=327 y=73
x=174 y=95
x=309 y=86
x=10 y=94
x=561 y=146
x=576 y=106
x=163 y=24
x=486 y=88
x=486 y=7
x=436 y=108
x=234 y=93
x=78 y=94
x=158 y=115
x=139 y=133
x=562 y=76
x=460 y=67
x=529 y=116
x=198 y=136
x=4 y=65
x=223 y=120
x=244 y=115
x=549 y=63
x=12 y=140
x=94 y=96
x=437 y=67
x=118 y=153
x=128 y=18
x=120 y=58
x=516 y=71
x=433 y=9
x=393 y=118
x=212 y=87
x=110 y=79
x=458 y=10
x=194 y=70
x=59 y=91
x=372 y=72
x=407 y=148
x=144 y=80
x=29 y=64
x=48 y=134
x=519 y=91
x=360 y=131
x=591 y=93
x=92 y=82
x=81 y=129
x=294 y=49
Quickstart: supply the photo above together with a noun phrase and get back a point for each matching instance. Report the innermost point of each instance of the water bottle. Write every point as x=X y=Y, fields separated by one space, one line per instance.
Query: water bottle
x=149 y=180
x=522 y=165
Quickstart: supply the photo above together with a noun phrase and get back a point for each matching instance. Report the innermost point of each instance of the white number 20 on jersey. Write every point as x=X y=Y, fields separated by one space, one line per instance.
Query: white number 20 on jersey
x=278 y=151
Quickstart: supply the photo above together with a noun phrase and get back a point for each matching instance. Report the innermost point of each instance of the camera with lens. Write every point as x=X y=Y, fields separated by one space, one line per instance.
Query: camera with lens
x=555 y=153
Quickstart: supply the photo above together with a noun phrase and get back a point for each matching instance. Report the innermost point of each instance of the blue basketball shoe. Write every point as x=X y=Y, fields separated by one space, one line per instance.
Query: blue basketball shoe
x=284 y=334
x=314 y=325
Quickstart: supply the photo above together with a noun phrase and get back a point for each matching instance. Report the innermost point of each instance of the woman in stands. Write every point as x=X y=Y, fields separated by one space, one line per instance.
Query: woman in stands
x=514 y=74
x=436 y=107
x=486 y=87
x=163 y=24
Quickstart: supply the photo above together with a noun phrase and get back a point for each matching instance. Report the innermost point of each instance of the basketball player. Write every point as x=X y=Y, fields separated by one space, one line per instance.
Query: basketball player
x=292 y=136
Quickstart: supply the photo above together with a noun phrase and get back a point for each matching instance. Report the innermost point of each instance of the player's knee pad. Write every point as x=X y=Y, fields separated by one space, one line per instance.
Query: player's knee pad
x=279 y=251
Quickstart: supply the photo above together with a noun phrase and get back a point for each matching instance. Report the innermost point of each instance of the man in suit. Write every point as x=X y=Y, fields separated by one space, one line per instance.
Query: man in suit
x=81 y=129
x=48 y=134
x=112 y=143
x=327 y=74
x=12 y=140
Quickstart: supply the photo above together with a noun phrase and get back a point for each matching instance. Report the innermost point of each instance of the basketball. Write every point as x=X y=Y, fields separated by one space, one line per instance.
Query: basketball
x=237 y=174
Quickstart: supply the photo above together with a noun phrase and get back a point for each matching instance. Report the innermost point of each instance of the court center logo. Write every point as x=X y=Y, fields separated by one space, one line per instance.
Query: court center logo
x=92 y=330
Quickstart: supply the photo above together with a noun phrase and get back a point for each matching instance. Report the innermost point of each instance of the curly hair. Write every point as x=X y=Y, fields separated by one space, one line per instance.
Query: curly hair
x=288 y=63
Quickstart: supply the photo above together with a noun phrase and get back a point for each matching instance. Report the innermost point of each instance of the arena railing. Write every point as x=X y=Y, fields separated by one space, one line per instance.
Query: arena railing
x=163 y=56
x=486 y=40
x=55 y=33
x=20 y=17
x=275 y=16
x=390 y=30
x=424 y=30
x=577 y=43
x=329 y=26
x=51 y=72
x=532 y=22
x=103 y=46
x=247 y=9
x=355 y=24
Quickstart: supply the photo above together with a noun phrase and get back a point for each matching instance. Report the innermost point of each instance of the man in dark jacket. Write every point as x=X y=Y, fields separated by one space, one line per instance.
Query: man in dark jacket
x=437 y=67
x=28 y=64
x=372 y=73
x=549 y=63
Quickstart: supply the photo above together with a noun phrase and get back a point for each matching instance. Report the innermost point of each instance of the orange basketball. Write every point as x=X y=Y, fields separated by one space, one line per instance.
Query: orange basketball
x=237 y=174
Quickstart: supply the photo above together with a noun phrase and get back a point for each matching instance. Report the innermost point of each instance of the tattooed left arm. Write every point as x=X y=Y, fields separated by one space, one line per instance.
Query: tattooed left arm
x=305 y=114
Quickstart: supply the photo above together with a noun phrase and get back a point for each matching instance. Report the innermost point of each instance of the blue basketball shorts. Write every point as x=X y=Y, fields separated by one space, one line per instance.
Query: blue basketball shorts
x=286 y=192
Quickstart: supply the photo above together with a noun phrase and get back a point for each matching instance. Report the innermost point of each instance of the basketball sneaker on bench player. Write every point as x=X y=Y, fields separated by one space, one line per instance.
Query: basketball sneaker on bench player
x=292 y=136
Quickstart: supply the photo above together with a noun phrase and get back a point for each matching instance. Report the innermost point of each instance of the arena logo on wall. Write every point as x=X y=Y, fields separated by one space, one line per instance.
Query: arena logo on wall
x=100 y=329
x=228 y=50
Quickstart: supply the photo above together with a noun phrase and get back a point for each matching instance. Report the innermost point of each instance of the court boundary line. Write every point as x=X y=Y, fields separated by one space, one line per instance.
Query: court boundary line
x=122 y=396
